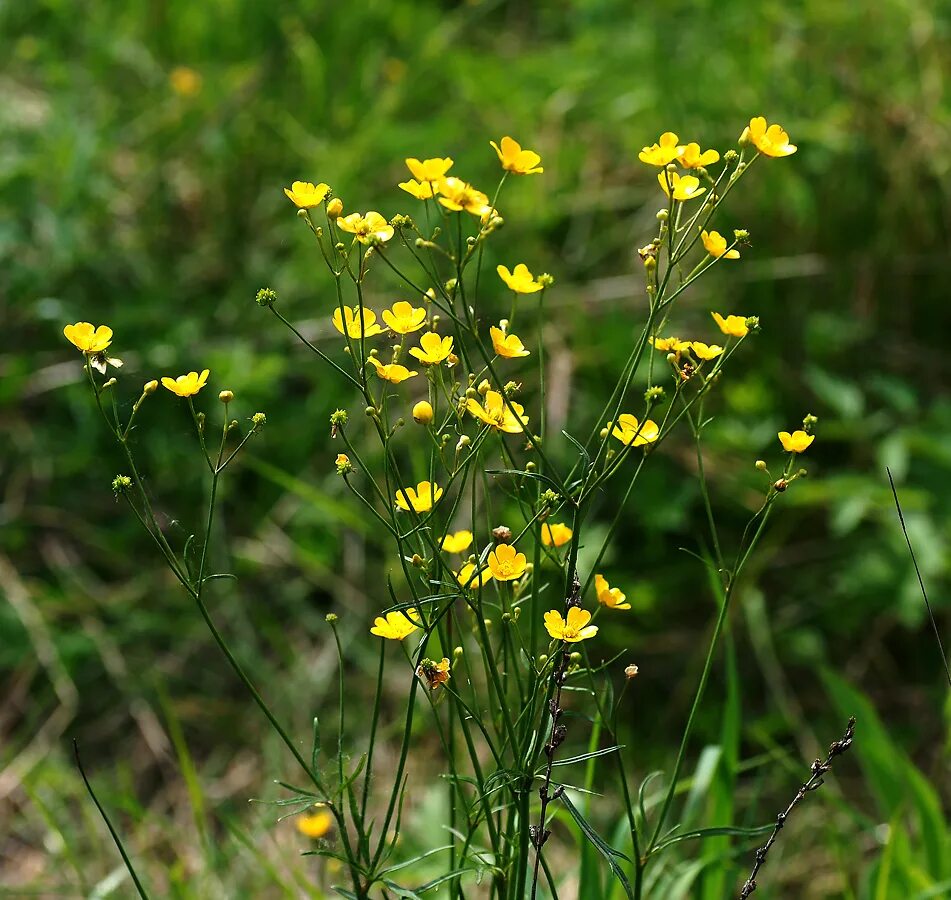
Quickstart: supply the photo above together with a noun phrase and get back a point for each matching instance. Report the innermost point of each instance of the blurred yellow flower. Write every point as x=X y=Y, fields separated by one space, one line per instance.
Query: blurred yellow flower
x=356 y=323
x=732 y=325
x=429 y=169
x=335 y=208
x=423 y=412
x=432 y=348
x=715 y=245
x=506 y=564
x=457 y=542
x=705 y=351
x=498 y=414
x=317 y=824
x=555 y=534
x=469 y=578
x=771 y=141
x=575 y=629
x=404 y=318
x=669 y=344
x=507 y=345
x=394 y=372
x=685 y=187
x=397 y=625
x=665 y=151
x=516 y=160
x=608 y=596
x=421 y=499
x=435 y=673
x=797 y=442
x=457 y=195
x=521 y=280
x=692 y=158
x=305 y=195
x=186 y=385
x=84 y=336
x=367 y=228
x=422 y=191
x=629 y=431
x=185 y=81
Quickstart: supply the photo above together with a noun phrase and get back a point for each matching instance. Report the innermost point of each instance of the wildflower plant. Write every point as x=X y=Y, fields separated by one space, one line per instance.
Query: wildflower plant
x=487 y=629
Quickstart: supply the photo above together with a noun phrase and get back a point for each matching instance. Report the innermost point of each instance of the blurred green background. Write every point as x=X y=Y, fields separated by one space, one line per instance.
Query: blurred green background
x=143 y=148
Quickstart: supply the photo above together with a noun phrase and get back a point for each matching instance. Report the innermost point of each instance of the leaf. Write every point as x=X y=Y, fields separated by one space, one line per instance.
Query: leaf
x=583 y=756
x=715 y=831
x=609 y=853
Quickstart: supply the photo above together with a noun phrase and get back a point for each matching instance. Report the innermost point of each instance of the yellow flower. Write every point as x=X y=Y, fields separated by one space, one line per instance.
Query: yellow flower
x=771 y=141
x=185 y=81
x=686 y=187
x=457 y=196
x=506 y=564
x=423 y=412
x=692 y=158
x=404 y=318
x=429 y=169
x=317 y=824
x=797 y=442
x=505 y=417
x=608 y=596
x=186 y=385
x=368 y=228
x=468 y=578
x=421 y=499
x=555 y=534
x=669 y=344
x=435 y=673
x=84 y=336
x=457 y=543
x=516 y=160
x=575 y=629
x=394 y=373
x=397 y=625
x=366 y=323
x=507 y=345
x=715 y=244
x=343 y=464
x=629 y=431
x=705 y=351
x=521 y=280
x=732 y=325
x=422 y=191
x=665 y=151
x=335 y=208
x=305 y=195
x=432 y=348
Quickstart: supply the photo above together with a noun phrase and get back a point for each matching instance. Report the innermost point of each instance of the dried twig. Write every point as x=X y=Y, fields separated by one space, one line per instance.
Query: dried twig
x=819 y=768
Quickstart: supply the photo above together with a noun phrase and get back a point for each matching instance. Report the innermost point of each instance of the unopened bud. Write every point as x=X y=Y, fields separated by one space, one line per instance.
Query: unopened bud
x=502 y=534
x=335 y=207
x=761 y=465
x=662 y=215
x=226 y=396
x=484 y=386
x=150 y=387
x=423 y=412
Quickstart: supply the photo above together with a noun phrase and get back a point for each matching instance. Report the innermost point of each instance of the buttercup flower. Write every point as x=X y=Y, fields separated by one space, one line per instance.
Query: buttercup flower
x=705 y=351
x=317 y=824
x=422 y=191
x=435 y=673
x=423 y=412
x=429 y=169
x=186 y=385
x=469 y=578
x=771 y=141
x=629 y=431
x=404 y=318
x=715 y=245
x=575 y=629
x=343 y=464
x=458 y=542
x=305 y=195
x=394 y=372
x=555 y=534
x=797 y=442
x=732 y=325
x=84 y=336
x=365 y=323
x=457 y=195
x=185 y=81
x=422 y=498
x=608 y=596
x=665 y=151
x=516 y=160
x=432 y=348
x=506 y=563
x=669 y=344
x=367 y=228
x=521 y=280
x=685 y=187
x=692 y=158
x=498 y=414
x=507 y=345
x=397 y=625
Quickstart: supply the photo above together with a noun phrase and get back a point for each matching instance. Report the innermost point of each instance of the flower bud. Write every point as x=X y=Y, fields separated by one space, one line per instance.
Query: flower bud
x=423 y=412
x=450 y=285
x=418 y=561
x=484 y=386
x=343 y=464
x=730 y=156
x=226 y=396
x=457 y=654
x=662 y=215
x=109 y=383
x=809 y=422
x=464 y=442
x=671 y=167
x=335 y=207
x=744 y=139
x=761 y=465
x=150 y=387
x=502 y=534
